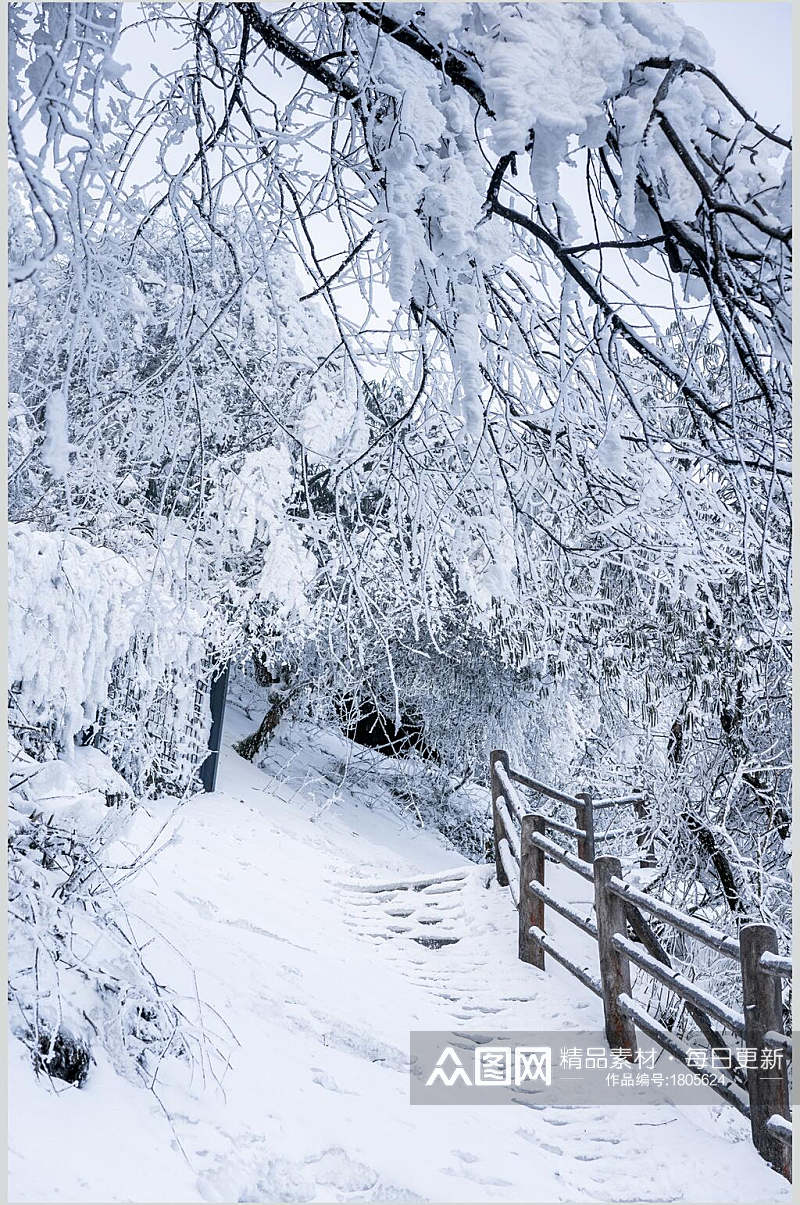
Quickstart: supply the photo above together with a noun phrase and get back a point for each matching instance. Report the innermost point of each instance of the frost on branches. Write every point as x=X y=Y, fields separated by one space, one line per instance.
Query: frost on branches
x=90 y=632
x=446 y=381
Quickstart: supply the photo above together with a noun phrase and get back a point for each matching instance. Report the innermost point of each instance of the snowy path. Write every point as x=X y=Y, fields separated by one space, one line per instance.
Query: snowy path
x=321 y=933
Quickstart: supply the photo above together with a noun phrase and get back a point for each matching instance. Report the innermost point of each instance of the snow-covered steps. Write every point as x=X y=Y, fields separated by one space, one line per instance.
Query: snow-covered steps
x=273 y=904
x=428 y=909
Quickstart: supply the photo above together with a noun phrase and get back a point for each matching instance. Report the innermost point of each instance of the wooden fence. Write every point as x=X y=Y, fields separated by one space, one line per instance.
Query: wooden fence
x=759 y=1090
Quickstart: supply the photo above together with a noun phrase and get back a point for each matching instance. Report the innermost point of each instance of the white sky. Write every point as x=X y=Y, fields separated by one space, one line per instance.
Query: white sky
x=751 y=41
x=752 y=44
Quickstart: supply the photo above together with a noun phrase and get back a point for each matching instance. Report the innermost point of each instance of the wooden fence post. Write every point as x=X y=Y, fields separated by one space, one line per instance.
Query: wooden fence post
x=584 y=818
x=615 y=971
x=767 y=1086
x=531 y=908
x=497 y=824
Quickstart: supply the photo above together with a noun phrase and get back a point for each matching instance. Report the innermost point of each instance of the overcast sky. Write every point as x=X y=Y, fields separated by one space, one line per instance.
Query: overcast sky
x=751 y=40
x=752 y=43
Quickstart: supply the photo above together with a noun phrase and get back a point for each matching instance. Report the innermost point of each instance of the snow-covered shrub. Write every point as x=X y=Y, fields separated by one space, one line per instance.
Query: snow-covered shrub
x=77 y=979
x=461 y=815
x=105 y=664
x=102 y=648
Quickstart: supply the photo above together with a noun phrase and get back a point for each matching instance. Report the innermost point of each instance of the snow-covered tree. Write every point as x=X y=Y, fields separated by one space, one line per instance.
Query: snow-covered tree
x=438 y=356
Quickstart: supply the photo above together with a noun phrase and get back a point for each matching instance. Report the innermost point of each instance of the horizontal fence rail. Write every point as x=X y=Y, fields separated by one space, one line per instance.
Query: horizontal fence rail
x=710 y=936
x=780 y=1128
x=581 y=973
x=561 y=855
x=758 y=1090
x=620 y=801
x=655 y=1030
x=680 y=984
x=548 y=792
x=773 y=964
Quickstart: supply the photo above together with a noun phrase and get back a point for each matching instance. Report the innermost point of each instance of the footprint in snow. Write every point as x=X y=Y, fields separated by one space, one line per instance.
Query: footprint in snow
x=336 y=1169
x=318 y=1076
x=488 y=1181
x=282 y=1180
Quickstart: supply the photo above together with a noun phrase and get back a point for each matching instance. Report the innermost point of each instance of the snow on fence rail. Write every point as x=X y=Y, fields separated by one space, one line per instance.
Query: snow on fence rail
x=714 y=938
x=760 y=1091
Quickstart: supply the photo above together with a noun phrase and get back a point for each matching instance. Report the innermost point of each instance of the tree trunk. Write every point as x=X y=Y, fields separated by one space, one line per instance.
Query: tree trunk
x=249 y=746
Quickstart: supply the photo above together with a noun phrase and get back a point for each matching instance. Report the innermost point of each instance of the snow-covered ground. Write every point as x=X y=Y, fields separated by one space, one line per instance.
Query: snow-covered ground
x=255 y=908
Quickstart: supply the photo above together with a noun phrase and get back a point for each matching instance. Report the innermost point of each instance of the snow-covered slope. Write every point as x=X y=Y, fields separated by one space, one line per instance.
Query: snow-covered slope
x=312 y=984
